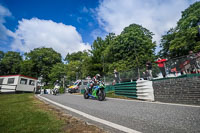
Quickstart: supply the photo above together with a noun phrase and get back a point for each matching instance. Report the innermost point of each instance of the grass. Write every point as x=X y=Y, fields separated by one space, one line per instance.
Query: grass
x=20 y=113
x=112 y=95
x=24 y=113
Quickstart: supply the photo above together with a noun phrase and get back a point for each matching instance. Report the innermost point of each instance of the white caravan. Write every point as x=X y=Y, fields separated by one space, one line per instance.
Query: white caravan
x=12 y=83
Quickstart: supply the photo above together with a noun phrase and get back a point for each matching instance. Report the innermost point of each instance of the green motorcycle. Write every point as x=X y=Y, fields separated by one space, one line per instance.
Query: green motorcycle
x=97 y=92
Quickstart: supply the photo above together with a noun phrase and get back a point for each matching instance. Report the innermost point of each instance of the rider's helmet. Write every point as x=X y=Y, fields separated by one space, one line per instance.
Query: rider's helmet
x=98 y=76
x=57 y=82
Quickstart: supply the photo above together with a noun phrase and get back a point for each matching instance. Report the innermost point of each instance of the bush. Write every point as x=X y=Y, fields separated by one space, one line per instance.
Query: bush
x=48 y=87
x=62 y=90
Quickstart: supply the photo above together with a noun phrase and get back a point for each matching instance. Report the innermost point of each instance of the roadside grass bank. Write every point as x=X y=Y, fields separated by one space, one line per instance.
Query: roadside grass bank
x=25 y=113
x=22 y=113
x=111 y=94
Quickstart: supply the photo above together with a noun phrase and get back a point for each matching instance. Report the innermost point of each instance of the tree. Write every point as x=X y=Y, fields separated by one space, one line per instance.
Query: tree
x=42 y=61
x=76 y=56
x=132 y=48
x=100 y=54
x=27 y=67
x=1 y=55
x=58 y=72
x=79 y=65
x=10 y=63
x=184 y=37
x=1 y=65
x=165 y=43
x=73 y=70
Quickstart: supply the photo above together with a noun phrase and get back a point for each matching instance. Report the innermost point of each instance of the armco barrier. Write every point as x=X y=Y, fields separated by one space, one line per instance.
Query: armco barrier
x=109 y=88
x=141 y=89
x=145 y=90
x=127 y=89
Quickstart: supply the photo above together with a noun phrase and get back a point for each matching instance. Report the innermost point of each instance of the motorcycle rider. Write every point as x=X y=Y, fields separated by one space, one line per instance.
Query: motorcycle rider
x=95 y=89
x=56 y=86
x=95 y=80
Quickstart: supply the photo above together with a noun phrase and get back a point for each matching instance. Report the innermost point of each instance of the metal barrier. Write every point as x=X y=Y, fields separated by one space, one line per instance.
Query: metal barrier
x=145 y=90
x=141 y=89
x=109 y=88
x=128 y=89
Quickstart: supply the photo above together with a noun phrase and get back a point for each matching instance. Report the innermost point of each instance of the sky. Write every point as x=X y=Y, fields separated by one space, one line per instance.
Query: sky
x=72 y=25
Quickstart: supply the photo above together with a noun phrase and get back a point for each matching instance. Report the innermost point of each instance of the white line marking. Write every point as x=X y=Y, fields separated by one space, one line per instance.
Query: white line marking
x=108 y=123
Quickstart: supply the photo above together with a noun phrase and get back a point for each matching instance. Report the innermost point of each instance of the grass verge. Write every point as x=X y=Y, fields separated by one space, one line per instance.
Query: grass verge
x=23 y=113
x=112 y=95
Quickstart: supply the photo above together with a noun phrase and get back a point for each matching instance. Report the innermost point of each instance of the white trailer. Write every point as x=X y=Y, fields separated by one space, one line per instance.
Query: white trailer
x=14 y=83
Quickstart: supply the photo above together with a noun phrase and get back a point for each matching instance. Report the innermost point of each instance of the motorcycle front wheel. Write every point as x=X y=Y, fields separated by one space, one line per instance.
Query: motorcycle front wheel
x=101 y=95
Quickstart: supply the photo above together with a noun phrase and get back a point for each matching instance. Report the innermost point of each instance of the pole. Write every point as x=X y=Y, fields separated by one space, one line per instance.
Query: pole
x=77 y=73
x=199 y=27
x=64 y=82
x=137 y=62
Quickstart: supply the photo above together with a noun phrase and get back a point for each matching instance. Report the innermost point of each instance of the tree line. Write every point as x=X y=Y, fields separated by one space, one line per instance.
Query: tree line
x=127 y=51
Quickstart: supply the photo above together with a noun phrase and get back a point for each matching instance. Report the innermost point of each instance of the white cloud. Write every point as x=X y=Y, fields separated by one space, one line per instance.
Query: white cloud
x=36 y=33
x=4 y=32
x=85 y=10
x=156 y=15
x=97 y=33
x=4 y=12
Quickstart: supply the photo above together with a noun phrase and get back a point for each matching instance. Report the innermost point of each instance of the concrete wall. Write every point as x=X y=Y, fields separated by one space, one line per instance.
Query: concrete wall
x=178 y=90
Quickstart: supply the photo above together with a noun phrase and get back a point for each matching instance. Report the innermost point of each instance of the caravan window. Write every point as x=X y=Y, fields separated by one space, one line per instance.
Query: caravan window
x=11 y=80
x=1 y=81
x=31 y=82
x=23 y=81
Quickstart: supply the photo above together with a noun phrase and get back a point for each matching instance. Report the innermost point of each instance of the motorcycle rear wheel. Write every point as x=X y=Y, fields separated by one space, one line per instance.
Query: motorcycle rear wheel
x=86 y=96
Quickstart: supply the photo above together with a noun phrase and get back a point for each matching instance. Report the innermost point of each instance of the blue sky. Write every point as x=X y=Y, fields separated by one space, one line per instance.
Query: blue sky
x=72 y=25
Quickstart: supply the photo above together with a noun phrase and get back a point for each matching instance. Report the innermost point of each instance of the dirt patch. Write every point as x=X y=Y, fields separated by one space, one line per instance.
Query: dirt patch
x=71 y=123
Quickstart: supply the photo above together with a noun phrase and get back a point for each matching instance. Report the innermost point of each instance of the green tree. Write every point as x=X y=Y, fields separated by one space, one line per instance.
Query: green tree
x=10 y=63
x=1 y=55
x=76 y=56
x=73 y=70
x=184 y=37
x=79 y=65
x=101 y=55
x=58 y=72
x=1 y=65
x=27 y=67
x=42 y=61
x=132 y=48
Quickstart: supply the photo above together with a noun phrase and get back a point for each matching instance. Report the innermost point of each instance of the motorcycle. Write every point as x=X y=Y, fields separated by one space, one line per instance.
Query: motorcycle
x=97 y=92
x=56 y=89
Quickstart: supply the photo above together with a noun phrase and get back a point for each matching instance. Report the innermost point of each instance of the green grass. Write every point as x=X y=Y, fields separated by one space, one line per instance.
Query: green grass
x=22 y=113
x=112 y=95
